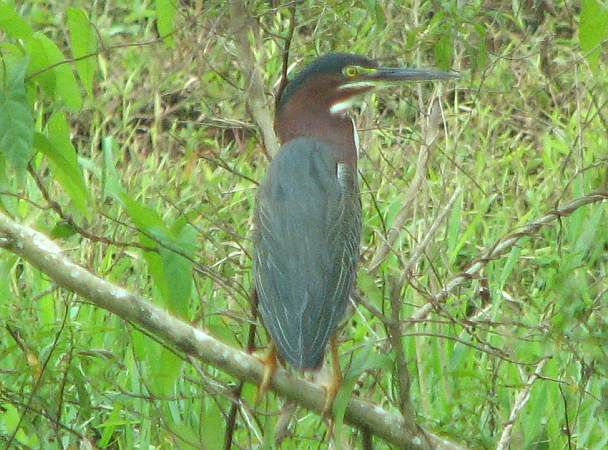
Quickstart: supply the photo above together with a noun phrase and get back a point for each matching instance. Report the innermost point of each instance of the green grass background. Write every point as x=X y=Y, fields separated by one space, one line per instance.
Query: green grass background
x=166 y=145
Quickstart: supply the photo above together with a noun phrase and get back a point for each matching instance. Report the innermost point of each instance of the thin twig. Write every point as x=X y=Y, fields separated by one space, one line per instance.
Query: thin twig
x=231 y=420
x=520 y=403
x=421 y=247
x=45 y=255
x=285 y=54
x=430 y=134
x=255 y=96
x=501 y=247
x=72 y=223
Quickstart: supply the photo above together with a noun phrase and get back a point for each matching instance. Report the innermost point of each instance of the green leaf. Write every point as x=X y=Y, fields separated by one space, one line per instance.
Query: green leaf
x=13 y=24
x=144 y=218
x=178 y=270
x=111 y=185
x=165 y=19
x=84 y=43
x=8 y=202
x=110 y=424
x=593 y=30
x=37 y=70
x=9 y=421
x=84 y=398
x=509 y=265
x=63 y=161
x=62 y=230
x=213 y=424
x=16 y=121
x=375 y=8
x=165 y=369
x=66 y=84
x=443 y=50
x=171 y=267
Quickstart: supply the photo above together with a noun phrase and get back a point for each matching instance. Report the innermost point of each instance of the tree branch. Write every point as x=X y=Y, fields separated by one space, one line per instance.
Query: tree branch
x=429 y=137
x=241 y=28
x=501 y=247
x=44 y=254
x=520 y=402
x=394 y=326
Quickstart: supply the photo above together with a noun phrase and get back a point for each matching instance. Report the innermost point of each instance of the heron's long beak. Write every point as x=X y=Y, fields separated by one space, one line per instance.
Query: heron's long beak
x=396 y=74
x=386 y=76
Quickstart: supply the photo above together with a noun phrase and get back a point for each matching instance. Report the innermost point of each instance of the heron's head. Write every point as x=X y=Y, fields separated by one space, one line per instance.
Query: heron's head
x=337 y=80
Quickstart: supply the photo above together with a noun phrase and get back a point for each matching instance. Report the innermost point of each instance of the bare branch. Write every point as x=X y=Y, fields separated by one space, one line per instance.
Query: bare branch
x=429 y=136
x=45 y=255
x=394 y=324
x=241 y=28
x=501 y=247
x=421 y=247
x=520 y=403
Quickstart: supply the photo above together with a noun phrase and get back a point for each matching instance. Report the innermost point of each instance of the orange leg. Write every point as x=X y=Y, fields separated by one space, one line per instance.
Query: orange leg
x=270 y=365
x=336 y=380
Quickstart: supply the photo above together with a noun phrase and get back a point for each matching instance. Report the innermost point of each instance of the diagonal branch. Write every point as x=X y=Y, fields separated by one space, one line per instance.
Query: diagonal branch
x=520 y=403
x=394 y=327
x=242 y=28
x=45 y=255
x=501 y=247
x=429 y=137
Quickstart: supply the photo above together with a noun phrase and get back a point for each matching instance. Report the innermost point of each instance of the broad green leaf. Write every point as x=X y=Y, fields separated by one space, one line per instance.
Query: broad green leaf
x=62 y=230
x=13 y=24
x=165 y=19
x=84 y=43
x=165 y=368
x=479 y=51
x=178 y=270
x=108 y=427
x=593 y=30
x=443 y=50
x=16 y=121
x=38 y=68
x=9 y=421
x=170 y=268
x=156 y=271
x=66 y=85
x=144 y=218
x=213 y=426
x=172 y=274
x=63 y=161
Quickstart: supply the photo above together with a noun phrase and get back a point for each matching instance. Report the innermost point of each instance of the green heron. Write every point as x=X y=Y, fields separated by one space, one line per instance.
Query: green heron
x=308 y=213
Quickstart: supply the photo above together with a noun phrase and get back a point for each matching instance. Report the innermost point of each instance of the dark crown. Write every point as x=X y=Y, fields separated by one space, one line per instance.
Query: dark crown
x=331 y=63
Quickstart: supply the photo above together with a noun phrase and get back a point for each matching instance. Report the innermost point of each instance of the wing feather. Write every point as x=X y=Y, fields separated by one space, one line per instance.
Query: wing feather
x=306 y=248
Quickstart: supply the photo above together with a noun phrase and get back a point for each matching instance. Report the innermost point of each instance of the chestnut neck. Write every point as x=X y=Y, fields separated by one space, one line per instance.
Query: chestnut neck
x=307 y=114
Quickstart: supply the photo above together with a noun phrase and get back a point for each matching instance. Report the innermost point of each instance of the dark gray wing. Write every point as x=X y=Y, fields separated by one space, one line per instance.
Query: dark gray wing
x=308 y=225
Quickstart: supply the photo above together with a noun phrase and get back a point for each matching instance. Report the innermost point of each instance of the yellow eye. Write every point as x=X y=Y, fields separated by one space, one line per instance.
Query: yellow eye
x=350 y=71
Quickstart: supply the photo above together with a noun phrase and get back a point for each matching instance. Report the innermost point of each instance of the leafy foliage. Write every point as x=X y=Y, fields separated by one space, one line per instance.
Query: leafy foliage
x=593 y=30
x=142 y=166
x=16 y=122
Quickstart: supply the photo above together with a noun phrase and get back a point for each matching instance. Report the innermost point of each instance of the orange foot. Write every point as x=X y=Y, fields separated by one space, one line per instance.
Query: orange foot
x=270 y=365
x=331 y=390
